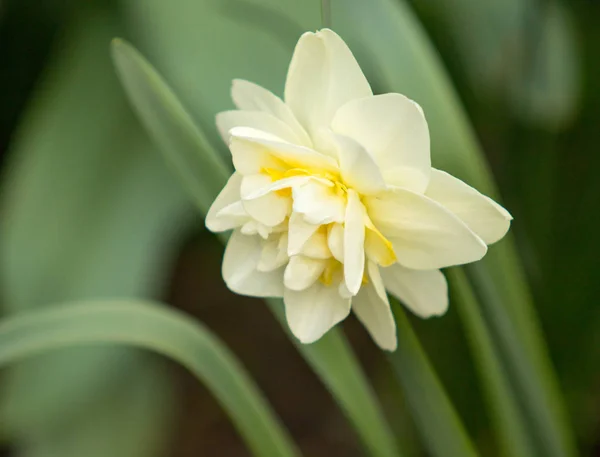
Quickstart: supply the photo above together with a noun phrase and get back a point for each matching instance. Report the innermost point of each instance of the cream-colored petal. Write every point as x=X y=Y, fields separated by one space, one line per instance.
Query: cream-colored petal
x=270 y=209
x=253 y=227
x=256 y=186
x=318 y=203
x=248 y=96
x=424 y=234
x=372 y=308
x=483 y=215
x=316 y=246
x=228 y=120
x=302 y=272
x=273 y=256
x=228 y=196
x=394 y=131
x=291 y=155
x=299 y=233
x=335 y=241
x=354 y=243
x=425 y=293
x=323 y=75
x=312 y=312
x=357 y=167
x=241 y=258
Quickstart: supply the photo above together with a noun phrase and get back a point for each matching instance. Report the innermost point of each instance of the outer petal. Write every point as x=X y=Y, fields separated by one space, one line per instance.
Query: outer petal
x=483 y=215
x=228 y=196
x=424 y=234
x=242 y=256
x=372 y=308
x=258 y=120
x=425 y=293
x=302 y=272
x=312 y=312
x=394 y=131
x=354 y=243
x=248 y=96
x=358 y=168
x=323 y=75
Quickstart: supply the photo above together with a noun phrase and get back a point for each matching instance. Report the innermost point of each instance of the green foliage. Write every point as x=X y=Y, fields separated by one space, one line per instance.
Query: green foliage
x=154 y=327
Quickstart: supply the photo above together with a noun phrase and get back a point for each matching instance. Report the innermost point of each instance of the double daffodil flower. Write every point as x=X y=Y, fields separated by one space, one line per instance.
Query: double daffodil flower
x=334 y=201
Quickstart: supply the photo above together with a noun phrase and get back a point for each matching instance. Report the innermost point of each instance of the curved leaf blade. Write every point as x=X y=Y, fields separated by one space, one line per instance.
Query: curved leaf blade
x=161 y=330
x=440 y=427
x=185 y=147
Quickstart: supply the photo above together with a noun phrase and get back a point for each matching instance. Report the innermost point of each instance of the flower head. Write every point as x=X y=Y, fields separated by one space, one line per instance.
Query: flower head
x=334 y=200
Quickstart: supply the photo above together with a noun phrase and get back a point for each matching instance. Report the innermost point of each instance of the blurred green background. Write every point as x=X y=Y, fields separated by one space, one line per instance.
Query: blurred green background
x=89 y=209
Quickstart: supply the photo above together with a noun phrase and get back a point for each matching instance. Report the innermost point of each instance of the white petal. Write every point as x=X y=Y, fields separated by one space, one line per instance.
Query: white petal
x=318 y=203
x=265 y=122
x=372 y=308
x=299 y=233
x=302 y=272
x=335 y=241
x=270 y=209
x=312 y=312
x=323 y=75
x=483 y=215
x=248 y=96
x=424 y=234
x=292 y=155
x=316 y=246
x=242 y=255
x=394 y=131
x=354 y=243
x=256 y=186
x=358 y=168
x=228 y=196
x=425 y=293
x=273 y=255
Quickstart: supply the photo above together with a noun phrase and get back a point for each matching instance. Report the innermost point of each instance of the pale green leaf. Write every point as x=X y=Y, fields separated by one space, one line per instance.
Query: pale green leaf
x=153 y=327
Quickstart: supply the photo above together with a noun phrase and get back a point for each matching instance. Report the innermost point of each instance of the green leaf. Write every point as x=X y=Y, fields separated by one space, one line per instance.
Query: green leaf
x=144 y=325
x=165 y=118
x=511 y=426
x=440 y=427
x=344 y=377
x=332 y=360
x=404 y=60
x=88 y=211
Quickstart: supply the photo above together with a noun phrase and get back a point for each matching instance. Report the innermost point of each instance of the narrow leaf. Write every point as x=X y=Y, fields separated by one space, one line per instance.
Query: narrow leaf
x=185 y=147
x=161 y=330
x=438 y=423
x=333 y=361
x=508 y=420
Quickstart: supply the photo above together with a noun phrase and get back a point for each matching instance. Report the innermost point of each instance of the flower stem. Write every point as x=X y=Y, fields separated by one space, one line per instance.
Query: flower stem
x=326 y=13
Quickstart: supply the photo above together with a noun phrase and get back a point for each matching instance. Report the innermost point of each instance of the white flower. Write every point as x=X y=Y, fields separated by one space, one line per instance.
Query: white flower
x=334 y=200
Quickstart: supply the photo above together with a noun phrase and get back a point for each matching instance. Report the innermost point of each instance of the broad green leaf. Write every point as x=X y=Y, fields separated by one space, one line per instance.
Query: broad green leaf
x=344 y=377
x=513 y=432
x=185 y=147
x=440 y=427
x=153 y=327
x=87 y=211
